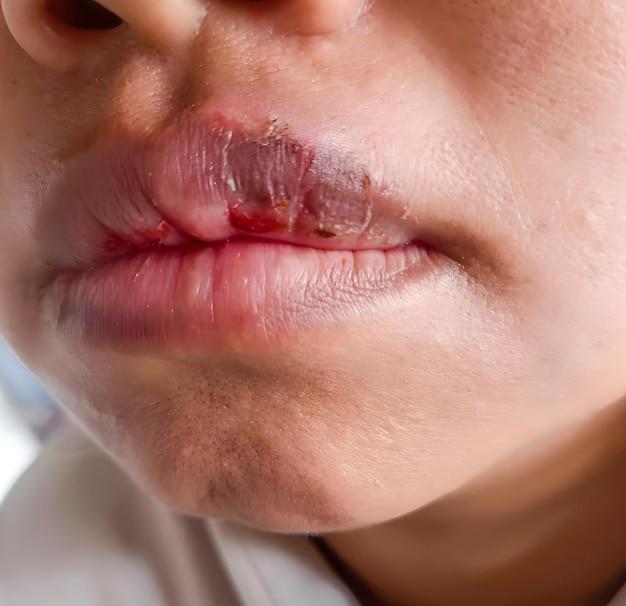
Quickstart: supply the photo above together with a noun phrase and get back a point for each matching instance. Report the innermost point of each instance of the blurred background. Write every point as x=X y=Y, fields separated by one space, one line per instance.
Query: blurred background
x=29 y=417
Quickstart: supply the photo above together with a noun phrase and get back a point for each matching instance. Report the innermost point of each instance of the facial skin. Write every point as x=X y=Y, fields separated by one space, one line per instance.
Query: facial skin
x=507 y=119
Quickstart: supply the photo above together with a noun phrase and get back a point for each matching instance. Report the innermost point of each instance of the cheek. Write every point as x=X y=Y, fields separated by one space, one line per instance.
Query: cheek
x=533 y=51
x=546 y=84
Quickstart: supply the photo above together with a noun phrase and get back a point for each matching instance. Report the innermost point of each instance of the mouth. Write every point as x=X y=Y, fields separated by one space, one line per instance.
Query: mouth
x=205 y=237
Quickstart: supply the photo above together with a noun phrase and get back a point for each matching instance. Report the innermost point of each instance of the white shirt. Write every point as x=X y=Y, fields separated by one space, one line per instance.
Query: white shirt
x=77 y=532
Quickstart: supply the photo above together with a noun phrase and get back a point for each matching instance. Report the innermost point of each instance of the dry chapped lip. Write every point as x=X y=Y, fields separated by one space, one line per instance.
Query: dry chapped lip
x=205 y=237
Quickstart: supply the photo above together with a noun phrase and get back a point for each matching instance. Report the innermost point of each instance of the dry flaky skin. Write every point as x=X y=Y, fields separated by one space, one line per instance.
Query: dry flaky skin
x=496 y=127
x=126 y=193
x=271 y=184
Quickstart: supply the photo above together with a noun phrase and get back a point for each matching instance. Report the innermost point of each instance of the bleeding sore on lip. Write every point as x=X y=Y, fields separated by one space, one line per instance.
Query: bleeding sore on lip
x=203 y=180
x=210 y=183
x=272 y=185
x=203 y=236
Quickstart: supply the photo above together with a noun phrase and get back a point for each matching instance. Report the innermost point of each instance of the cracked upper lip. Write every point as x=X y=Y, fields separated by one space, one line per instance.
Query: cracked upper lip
x=205 y=178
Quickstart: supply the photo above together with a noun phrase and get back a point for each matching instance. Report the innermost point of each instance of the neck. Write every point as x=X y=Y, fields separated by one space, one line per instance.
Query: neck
x=547 y=527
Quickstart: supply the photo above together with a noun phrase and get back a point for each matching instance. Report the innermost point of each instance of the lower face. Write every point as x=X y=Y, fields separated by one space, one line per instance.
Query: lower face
x=329 y=400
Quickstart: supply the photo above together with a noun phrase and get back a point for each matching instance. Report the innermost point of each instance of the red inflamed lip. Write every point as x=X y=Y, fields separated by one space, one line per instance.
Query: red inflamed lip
x=210 y=236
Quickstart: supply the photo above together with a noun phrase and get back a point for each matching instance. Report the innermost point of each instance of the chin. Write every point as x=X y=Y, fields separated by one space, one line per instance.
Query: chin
x=253 y=478
x=222 y=441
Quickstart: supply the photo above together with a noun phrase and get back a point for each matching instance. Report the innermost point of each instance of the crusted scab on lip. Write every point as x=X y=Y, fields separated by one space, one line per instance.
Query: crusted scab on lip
x=196 y=181
x=278 y=185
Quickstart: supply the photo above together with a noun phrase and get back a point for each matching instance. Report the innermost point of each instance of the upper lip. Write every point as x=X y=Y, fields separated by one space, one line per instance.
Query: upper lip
x=206 y=179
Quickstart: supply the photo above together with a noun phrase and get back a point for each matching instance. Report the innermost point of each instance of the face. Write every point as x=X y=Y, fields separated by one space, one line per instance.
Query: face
x=314 y=265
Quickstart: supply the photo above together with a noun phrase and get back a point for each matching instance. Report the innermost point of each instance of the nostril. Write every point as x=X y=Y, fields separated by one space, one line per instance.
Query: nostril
x=64 y=34
x=83 y=14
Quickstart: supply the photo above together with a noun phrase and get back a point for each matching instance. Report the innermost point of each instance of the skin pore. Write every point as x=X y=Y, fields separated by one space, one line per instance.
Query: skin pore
x=457 y=439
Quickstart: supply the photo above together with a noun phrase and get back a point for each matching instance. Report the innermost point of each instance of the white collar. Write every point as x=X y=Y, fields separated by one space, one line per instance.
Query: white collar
x=276 y=570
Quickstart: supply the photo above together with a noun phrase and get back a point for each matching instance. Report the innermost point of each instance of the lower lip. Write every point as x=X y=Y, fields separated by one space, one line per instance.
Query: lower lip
x=238 y=295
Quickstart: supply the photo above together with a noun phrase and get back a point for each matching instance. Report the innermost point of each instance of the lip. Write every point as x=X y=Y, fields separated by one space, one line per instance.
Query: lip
x=208 y=236
x=238 y=296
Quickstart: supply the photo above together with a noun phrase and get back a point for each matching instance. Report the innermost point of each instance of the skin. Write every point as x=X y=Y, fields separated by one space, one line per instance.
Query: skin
x=470 y=431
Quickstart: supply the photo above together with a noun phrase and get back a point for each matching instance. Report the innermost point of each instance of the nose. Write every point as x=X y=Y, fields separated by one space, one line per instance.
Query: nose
x=56 y=33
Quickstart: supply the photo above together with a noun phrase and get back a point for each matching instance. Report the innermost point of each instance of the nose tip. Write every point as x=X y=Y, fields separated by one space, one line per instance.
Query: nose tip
x=57 y=33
